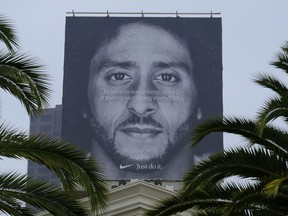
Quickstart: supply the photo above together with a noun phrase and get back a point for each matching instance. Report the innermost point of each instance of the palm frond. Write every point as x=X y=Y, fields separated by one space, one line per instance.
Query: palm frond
x=249 y=197
x=272 y=109
x=198 y=203
x=71 y=164
x=7 y=35
x=281 y=57
x=276 y=140
x=273 y=187
x=221 y=199
x=12 y=207
x=235 y=162
x=238 y=126
x=38 y=194
x=271 y=82
x=254 y=200
x=23 y=77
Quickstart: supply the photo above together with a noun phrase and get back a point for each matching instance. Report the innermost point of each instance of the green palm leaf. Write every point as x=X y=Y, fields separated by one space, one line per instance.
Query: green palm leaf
x=198 y=202
x=67 y=161
x=272 y=83
x=251 y=199
x=22 y=77
x=7 y=35
x=221 y=199
x=235 y=162
x=276 y=186
x=239 y=126
x=281 y=57
x=15 y=188
x=271 y=110
x=276 y=136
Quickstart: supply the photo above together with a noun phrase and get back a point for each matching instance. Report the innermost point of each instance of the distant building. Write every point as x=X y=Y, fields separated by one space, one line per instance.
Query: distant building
x=48 y=122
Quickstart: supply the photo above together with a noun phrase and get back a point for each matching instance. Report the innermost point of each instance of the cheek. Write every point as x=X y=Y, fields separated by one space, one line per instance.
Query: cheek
x=176 y=112
x=106 y=107
x=177 y=109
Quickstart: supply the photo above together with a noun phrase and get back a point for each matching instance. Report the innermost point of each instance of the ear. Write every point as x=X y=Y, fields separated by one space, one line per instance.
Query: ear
x=89 y=117
x=199 y=113
x=84 y=114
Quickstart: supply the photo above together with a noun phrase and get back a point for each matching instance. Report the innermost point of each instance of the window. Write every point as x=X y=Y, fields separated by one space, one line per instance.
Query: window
x=45 y=128
x=46 y=117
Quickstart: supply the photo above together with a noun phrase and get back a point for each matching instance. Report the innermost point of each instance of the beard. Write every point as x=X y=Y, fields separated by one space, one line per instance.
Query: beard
x=173 y=146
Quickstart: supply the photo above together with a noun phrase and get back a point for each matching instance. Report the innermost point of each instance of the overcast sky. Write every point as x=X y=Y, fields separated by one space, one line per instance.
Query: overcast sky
x=253 y=32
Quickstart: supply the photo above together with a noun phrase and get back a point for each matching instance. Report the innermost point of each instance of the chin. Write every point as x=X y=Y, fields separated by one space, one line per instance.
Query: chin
x=137 y=154
x=159 y=160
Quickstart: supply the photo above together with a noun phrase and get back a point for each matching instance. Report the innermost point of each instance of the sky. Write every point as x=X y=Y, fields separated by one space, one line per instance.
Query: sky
x=252 y=33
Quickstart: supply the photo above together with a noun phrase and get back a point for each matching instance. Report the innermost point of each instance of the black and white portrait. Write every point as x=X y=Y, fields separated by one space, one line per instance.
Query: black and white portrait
x=134 y=89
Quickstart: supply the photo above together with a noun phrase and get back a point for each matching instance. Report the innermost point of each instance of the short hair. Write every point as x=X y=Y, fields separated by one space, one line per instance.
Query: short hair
x=117 y=31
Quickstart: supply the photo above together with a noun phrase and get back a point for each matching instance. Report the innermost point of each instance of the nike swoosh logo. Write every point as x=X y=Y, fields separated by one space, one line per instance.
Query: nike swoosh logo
x=126 y=166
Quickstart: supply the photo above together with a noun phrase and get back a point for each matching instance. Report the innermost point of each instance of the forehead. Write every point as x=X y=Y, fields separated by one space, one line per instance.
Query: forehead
x=142 y=40
x=145 y=34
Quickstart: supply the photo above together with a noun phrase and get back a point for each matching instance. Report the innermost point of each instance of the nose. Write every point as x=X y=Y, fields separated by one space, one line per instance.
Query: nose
x=142 y=103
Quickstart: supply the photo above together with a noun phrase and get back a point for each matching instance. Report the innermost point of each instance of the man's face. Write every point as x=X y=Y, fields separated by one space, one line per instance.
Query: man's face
x=141 y=93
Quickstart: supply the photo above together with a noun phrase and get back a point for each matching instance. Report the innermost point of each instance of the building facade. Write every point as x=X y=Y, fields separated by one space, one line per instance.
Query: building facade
x=48 y=122
x=134 y=198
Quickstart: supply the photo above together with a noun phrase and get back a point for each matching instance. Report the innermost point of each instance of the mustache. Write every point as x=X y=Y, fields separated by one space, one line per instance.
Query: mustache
x=134 y=119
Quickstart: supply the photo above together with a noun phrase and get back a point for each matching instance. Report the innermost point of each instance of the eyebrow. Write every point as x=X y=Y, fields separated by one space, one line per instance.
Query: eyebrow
x=155 y=65
x=124 y=64
x=177 y=64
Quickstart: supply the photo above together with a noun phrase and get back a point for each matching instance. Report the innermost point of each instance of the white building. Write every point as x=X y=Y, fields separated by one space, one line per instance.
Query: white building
x=135 y=197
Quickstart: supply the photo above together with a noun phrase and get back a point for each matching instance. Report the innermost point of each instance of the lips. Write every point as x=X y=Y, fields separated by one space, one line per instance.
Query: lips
x=141 y=131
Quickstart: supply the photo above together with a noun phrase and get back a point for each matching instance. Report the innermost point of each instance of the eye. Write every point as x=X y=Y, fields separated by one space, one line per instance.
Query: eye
x=119 y=77
x=166 y=77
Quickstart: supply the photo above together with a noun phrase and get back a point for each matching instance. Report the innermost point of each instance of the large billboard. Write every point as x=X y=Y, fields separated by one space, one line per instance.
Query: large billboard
x=134 y=89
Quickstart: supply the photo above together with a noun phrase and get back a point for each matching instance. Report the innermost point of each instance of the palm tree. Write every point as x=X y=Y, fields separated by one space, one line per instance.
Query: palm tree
x=23 y=77
x=248 y=180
